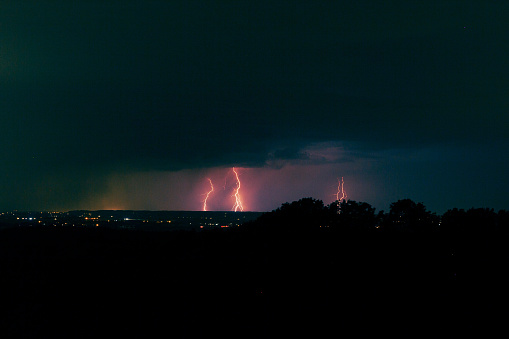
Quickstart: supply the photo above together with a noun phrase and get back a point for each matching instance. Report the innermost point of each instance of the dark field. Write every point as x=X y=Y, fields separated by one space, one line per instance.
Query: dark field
x=84 y=282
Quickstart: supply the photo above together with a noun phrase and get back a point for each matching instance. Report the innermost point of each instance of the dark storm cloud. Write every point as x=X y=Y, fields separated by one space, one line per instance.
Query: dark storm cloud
x=100 y=86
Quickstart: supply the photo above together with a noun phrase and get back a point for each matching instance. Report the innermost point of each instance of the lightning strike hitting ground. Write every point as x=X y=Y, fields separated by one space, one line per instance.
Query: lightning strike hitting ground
x=238 y=202
x=207 y=195
x=341 y=194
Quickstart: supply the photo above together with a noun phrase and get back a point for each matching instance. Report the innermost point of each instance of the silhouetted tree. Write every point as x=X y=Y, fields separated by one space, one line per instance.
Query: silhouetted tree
x=482 y=220
x=473 y=221
x=406 y=215
x=356 y=215
x=453 y=221
x=304 y=214
x=503 y=221
x=380 y=218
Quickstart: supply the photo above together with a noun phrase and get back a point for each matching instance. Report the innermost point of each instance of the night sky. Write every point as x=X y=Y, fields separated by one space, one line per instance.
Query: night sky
x=134 y=104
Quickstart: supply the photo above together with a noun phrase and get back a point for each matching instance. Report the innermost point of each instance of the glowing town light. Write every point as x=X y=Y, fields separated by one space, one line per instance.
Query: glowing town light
x=238 y=202
x=207 y=195
x=341 y=194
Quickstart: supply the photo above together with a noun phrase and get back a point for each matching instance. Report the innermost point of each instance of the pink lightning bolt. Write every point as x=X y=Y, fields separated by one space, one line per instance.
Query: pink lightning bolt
x=238 y=202
x=207 y=195
x=341 y=191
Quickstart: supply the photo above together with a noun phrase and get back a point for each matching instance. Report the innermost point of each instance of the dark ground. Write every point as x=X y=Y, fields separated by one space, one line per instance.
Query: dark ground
x=67 y=282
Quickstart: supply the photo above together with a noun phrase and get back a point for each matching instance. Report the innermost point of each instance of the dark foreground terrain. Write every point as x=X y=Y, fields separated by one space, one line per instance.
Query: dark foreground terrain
x=86 y=282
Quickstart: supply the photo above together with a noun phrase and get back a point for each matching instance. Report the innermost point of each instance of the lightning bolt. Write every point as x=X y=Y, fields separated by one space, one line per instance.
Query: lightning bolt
x=341 y=191
x=238 y=201
x=207 y=195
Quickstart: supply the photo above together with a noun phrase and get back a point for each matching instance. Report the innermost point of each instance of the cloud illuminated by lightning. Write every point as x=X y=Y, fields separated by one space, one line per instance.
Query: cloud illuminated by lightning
x=238 y=202
x=207 y=195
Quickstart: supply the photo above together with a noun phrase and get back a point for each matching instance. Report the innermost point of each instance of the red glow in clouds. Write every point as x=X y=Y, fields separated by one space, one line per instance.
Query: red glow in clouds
x=208 y=194
x=238 y=201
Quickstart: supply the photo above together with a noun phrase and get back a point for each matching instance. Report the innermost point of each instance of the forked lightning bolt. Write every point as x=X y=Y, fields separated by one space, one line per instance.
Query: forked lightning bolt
x=341 y=194
x=207 y=195
x=238 y=202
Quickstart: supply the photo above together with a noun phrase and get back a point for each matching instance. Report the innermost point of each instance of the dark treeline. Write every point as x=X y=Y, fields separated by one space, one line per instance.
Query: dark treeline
x=305 y=269
x=404 y=216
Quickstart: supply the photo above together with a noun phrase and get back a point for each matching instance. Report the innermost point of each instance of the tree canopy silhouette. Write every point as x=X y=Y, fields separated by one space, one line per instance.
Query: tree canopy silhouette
x=308 y=214
x=358 y=215
x=304 y=214
x=406 y=215
x=474 y=220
